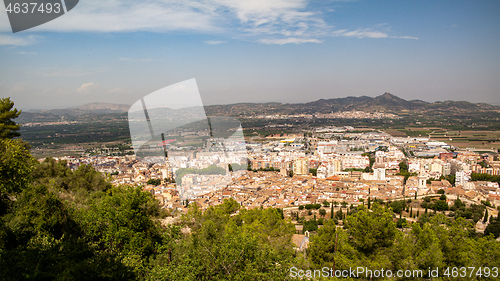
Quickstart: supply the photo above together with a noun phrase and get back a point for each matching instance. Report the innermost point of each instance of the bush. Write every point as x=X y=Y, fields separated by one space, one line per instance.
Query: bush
x=440 y=205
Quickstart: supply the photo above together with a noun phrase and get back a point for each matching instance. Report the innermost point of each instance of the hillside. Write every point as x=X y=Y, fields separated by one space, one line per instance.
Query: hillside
x=383 y=103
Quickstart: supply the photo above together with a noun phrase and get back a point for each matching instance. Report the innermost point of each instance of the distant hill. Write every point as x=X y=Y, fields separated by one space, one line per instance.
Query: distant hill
x=384 y=103
x=94 y=107
x=72 y=113
x=103 y=106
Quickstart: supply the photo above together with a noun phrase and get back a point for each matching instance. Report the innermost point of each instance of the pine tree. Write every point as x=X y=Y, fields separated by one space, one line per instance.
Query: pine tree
x=331 y=212
x=8 y=128
x=411 y=212
x=485 y=216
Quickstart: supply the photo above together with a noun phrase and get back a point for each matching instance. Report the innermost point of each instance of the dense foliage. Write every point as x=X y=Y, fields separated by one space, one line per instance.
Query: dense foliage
x=210 y=170
x=8 y=128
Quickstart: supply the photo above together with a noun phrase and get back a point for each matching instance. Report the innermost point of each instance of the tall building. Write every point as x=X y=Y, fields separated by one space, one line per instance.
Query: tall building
x=301 y=166
x=379 y=172
x=462 y=177
x=446 y=169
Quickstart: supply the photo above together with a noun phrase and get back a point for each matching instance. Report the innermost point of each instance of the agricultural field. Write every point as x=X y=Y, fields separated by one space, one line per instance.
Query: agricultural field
x=487 y=140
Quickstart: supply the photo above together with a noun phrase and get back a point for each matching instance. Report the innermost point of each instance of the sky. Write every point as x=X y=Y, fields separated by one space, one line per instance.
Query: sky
x=255 y=51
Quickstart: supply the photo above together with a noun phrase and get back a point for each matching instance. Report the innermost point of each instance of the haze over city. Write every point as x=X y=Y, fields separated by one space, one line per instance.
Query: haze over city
x=255 y=51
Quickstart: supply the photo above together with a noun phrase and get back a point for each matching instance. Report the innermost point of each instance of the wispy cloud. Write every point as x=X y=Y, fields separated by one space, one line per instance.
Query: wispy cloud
x=263 y=21
x=361 y=33
x=369 y=33
x=131 y=16
x=86 y=87
x=214 y=42
x=16 y=40
x=284 y=21
x=405 y=37
x=288 y=41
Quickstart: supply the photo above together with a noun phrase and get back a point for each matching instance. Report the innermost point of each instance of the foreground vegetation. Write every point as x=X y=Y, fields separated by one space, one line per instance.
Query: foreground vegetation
x=73 y=225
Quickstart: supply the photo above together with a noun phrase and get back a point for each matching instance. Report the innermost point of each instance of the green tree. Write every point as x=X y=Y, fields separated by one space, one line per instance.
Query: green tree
x=331 y=212
x=493 y=228
x=371 y=230
x=154 y=182
x=16 y=166
x=322 y=245
x=403 y=167
x=440 y=205
x=339 y=214
x=397 y=206
x=485 y=216
x=8 y=128
x=121 y=223
x=322 y=212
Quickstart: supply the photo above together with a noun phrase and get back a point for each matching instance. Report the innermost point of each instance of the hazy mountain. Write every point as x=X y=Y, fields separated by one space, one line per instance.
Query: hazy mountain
x=103 y=106
x=383 y=103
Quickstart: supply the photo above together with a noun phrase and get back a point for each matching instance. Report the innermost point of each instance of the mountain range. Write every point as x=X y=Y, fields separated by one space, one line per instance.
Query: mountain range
x=94 y=107
x=386 y=102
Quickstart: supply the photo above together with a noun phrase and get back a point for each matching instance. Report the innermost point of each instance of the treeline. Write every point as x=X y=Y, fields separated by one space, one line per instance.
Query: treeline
x=371 y=240
x=210 y=170
x=484 y=177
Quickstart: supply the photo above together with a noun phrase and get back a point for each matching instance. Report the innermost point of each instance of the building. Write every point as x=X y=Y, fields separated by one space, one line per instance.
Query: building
x=301 y=166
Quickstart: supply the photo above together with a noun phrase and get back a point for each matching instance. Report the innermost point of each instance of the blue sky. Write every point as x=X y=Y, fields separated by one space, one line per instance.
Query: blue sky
x=255 y=51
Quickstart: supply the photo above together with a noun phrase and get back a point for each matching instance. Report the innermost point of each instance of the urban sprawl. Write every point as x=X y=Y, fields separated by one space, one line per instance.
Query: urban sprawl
x=327 y=164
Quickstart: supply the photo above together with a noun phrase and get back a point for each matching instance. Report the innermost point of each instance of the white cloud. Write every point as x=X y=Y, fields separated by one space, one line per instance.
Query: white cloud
x=405 y=37
x=277 y=17
x=16 y=40
x=86 y=87
x=361 y=33
x=264 y=21
x=131 y=15
x=368 y=33
x=214 y=42
x=288 y=41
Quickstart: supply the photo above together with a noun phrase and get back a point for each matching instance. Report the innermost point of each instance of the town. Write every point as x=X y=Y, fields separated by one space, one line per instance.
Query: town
x=339 y=165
